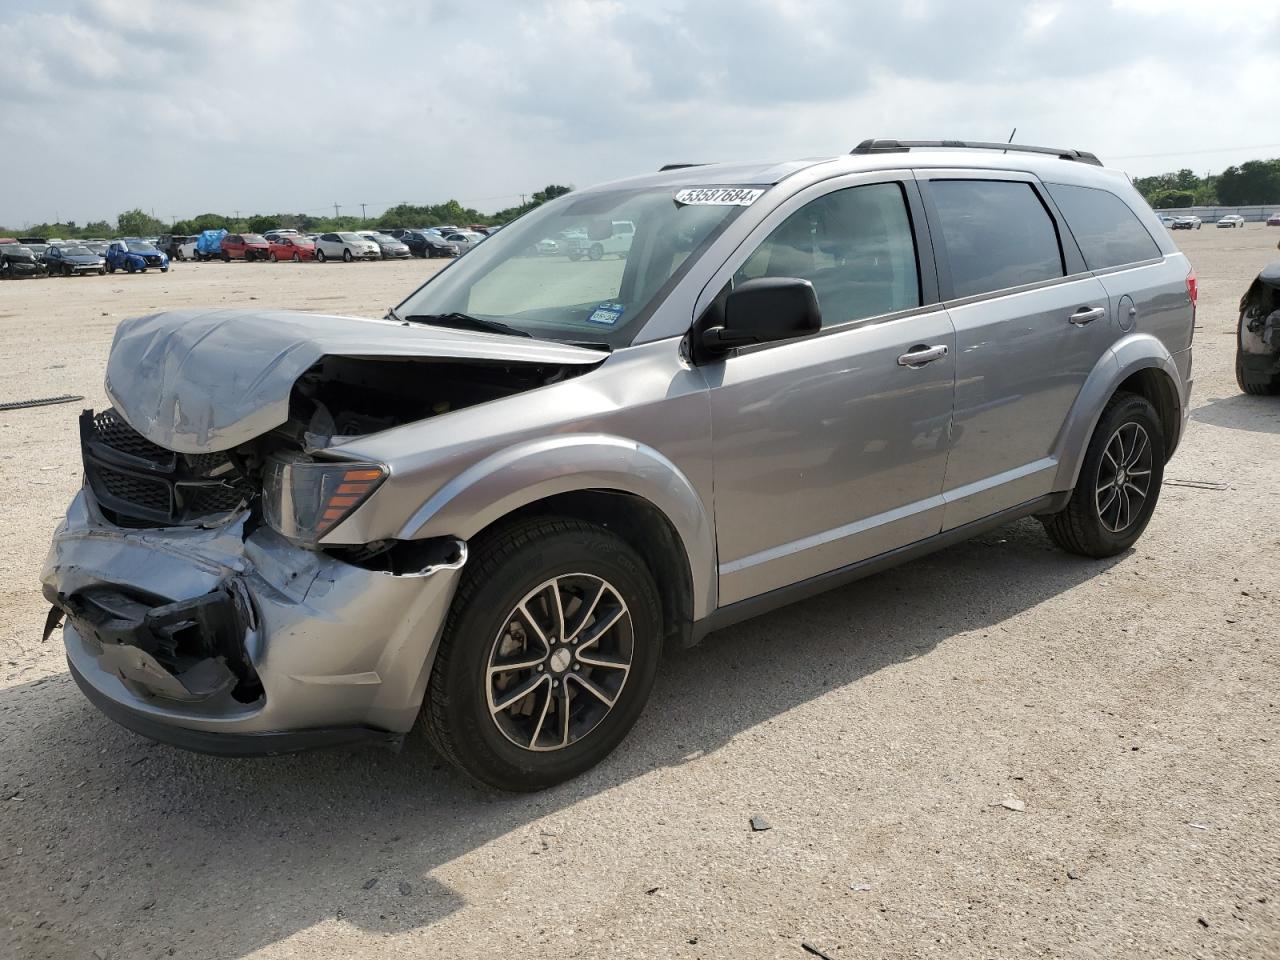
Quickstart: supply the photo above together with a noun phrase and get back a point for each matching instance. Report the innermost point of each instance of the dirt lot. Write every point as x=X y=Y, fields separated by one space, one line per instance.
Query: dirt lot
x=1131 y=705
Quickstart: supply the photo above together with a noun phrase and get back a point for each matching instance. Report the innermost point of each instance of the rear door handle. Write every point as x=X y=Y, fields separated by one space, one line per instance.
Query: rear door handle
x=920 y=355
x=1087 y=315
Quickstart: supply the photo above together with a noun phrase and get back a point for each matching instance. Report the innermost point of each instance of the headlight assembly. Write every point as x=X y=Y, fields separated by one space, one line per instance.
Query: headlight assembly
x=305 y=499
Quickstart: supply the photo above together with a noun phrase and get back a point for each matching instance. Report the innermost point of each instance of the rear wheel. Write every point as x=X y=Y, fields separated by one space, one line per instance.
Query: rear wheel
x=548 y=655
x=320 y=255
x=272 y=257
x=1119 y=482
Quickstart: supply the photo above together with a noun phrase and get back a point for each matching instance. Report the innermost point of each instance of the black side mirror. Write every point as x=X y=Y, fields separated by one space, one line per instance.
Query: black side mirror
x=762 y=311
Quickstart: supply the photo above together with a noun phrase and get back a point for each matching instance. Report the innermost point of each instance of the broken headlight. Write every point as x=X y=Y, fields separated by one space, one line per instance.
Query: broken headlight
x=305 y=499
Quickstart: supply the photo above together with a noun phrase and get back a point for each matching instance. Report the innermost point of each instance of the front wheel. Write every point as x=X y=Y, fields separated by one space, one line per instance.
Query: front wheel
x=548 y=655
x=296 y=258
x=272 y=257
x=1119 y=482
x=595 y=252
x=346 y=256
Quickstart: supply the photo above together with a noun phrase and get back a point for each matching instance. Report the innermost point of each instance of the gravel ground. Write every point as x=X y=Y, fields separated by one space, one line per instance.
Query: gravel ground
x=1127 y=708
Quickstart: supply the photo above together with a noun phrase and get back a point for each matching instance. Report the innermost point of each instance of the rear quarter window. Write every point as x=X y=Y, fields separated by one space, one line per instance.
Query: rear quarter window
x=1106 y=228
x=998 y=234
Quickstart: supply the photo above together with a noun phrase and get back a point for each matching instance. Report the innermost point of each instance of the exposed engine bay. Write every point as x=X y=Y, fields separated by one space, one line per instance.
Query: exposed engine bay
x=141 y=484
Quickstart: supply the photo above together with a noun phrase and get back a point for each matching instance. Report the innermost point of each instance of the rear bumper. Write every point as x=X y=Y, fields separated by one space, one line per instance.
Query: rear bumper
x=227 y=643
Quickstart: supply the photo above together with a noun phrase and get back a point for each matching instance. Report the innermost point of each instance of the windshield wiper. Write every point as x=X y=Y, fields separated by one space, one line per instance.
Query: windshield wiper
x=464 y=321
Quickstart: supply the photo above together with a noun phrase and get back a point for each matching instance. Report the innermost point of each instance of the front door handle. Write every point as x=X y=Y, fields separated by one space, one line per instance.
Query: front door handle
x=920 y=355
x=1087 y=315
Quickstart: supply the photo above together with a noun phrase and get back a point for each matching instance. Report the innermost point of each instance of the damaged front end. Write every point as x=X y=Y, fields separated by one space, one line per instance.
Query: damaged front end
x=1258 y=352
x=210 y=599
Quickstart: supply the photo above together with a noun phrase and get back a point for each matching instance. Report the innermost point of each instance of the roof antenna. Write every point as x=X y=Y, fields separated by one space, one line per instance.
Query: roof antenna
x=1010 y=140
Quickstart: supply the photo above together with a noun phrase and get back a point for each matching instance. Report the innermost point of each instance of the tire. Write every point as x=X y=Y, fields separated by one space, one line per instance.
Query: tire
x=164 y=269
x=226 y=257
x=346 y=256
x=129 y=267
x=111 y=268
x=575 y=257
x=296 y=258
x=1095 y=522
x=1262 y=387
x=595 y=251
x=102 y=271
x=272 y=257
x=320 y=257
x=505 y=574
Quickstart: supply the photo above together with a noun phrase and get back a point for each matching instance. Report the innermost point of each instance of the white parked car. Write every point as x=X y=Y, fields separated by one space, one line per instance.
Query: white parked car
x=1231 y=220
x=464 y=240
x=187 y=251
x=614 y=239
x=346 y=246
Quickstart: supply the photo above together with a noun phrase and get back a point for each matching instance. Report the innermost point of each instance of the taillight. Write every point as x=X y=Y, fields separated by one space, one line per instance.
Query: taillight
x=1193 y=292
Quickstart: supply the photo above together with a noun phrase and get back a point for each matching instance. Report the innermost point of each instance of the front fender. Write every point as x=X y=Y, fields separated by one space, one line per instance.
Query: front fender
x=1138 y=351
x=512 y=478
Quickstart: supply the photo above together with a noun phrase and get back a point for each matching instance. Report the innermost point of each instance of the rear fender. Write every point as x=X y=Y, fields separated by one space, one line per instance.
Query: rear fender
x=1138 y=351
x=515 y=477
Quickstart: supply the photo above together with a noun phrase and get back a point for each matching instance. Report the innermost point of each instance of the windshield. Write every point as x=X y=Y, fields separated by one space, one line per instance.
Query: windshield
x=14 y=249
x=252 y=238
x=136 y=246
x=590 y=282
x=351 y=237
x=77 y=251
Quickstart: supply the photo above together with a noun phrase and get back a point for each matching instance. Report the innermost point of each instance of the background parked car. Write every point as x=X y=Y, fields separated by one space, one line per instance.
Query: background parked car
x=187 y=250
x=1231 y=220
x=18 y=260
x=464 y=240
x=290 y=247
x=270 y=235
x=390 y=247
x=135 y=256
x=96 y=246
x=244 y=246
x=1274 y=219
x=170 y=244
x=70 y=259
x=346 y=246
x=1165 y=219
x=1186 y=223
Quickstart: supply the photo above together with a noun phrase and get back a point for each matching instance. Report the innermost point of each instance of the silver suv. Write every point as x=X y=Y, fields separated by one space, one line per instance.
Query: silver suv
x=494 y=507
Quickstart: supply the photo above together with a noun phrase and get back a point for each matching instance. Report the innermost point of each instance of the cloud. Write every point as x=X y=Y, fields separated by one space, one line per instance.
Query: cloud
x=183 y=107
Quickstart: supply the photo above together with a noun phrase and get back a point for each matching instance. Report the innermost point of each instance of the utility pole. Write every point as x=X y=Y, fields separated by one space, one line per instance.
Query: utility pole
x=336 y=208
x=363 y=215
x=522 y=199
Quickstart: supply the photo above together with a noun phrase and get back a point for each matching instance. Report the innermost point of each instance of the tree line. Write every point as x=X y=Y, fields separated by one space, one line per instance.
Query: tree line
x=139 y=223
x=1254 y=183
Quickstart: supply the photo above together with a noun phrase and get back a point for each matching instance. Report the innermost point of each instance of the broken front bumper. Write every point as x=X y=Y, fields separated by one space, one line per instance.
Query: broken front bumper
x=225 y=643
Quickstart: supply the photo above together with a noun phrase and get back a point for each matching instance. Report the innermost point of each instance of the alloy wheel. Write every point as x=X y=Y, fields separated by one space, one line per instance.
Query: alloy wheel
x=559 y=663
x=1124 y=477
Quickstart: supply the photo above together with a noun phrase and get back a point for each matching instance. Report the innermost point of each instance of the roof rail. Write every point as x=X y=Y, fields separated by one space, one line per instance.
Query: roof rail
x=678 y=166
x=903 y=146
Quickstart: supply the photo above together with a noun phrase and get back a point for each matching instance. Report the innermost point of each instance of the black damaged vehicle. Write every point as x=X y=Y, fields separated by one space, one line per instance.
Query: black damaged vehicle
x=1258 y=336
x=19 y=260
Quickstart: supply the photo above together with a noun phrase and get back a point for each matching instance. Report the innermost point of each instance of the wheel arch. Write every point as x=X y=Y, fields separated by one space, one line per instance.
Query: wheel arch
x=1141 y=364
x=621 y=484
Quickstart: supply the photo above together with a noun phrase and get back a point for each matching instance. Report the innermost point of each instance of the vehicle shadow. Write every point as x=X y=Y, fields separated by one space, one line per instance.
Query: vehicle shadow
x=151 y=847
x=1241 y=412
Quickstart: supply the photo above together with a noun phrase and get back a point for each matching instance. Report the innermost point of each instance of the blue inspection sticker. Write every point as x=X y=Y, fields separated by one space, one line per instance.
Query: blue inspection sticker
x=607 y=314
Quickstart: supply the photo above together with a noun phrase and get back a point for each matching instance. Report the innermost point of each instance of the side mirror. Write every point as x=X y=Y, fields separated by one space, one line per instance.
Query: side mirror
x=599 y=229
x=762 y=311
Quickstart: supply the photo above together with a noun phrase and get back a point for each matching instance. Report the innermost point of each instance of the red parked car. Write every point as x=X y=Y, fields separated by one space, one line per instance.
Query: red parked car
x=244 y=246
x=290 y=248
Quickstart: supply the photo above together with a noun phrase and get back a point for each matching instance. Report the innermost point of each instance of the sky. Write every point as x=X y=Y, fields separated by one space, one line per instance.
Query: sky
x=268 y=106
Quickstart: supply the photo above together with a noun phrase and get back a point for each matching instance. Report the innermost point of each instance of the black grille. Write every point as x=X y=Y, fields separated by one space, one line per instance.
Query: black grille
x=139 y=483
x=109 y=429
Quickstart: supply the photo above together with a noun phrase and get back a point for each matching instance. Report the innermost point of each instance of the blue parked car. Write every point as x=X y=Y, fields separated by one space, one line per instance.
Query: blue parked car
x=134 y=256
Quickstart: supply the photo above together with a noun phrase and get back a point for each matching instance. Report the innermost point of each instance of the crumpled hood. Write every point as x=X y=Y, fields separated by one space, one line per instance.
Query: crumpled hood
x=197 y=381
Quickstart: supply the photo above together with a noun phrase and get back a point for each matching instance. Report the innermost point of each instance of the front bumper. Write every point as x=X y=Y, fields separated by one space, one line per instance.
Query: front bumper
x=223 y=642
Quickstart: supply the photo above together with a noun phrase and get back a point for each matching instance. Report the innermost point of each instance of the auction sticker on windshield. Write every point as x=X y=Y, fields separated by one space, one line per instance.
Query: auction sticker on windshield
x=721 y=196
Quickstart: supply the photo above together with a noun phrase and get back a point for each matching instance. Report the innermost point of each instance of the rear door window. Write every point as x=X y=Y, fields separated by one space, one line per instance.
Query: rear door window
x=1108 y=231
x=998 y=234
x=854 y=245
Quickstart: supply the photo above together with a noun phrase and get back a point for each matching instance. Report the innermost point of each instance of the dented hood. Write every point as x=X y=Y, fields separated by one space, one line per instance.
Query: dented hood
x=197 y=380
